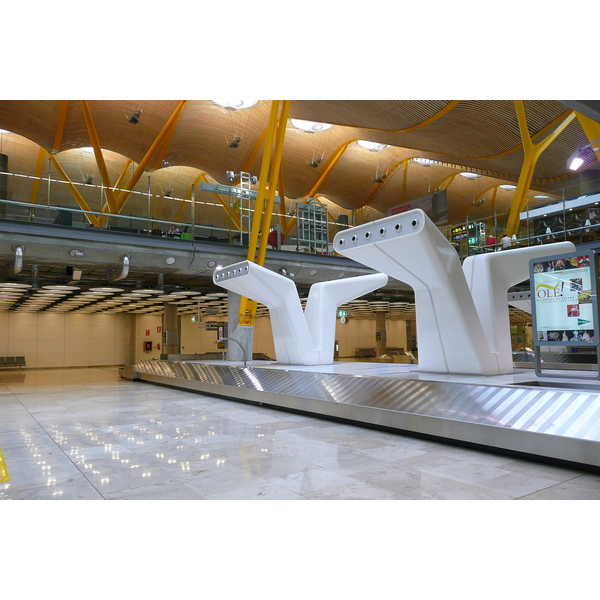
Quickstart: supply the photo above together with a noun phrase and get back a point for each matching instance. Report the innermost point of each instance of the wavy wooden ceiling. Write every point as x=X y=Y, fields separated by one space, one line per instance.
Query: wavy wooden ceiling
x=481 y=135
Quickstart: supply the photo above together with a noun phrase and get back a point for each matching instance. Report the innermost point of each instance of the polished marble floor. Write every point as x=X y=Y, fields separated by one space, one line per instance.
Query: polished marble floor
x=87 y=434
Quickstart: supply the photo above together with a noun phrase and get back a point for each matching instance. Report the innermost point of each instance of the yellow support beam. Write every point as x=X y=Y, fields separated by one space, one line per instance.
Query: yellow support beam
x=4 y=476
x=78 y=197
x=591 y=130
x=235 y=219
x=254 y=153
x=532 y=153
x=165 y=145
x=39 y=165
x=283 y=206
x=273 y=177
x=119 y=181
x=60 y=125
x=89 y=123
x=333 y=160
x=247 y=307
x=462 y=214
x=124 y=194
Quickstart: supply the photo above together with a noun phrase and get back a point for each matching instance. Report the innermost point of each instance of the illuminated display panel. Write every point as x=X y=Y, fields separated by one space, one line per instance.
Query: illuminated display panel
x=563 y=300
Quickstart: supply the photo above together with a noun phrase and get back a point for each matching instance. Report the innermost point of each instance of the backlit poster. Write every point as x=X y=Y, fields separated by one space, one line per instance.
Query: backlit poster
x=563 y=300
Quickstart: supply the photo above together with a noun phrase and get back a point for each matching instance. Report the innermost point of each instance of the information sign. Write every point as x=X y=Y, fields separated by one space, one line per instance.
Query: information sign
x=563 y=300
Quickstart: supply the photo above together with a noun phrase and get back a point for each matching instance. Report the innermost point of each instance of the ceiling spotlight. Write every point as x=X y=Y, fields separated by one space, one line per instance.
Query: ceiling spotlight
x=581 y=155
x=134 y=119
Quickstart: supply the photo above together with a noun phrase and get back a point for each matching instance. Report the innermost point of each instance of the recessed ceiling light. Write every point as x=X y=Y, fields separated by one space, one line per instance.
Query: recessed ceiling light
x=310 y=126
x=236 y=104
x=426 y=162
x=372 y=146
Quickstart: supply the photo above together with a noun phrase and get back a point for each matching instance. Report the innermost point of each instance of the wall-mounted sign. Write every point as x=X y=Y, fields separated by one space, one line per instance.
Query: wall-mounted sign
x=147 y=332
x=563 y=300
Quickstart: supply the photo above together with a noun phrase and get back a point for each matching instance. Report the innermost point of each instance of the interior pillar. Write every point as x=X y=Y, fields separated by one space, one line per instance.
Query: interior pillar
x=129 y=355
x=170 y=329
x=244 y=334
x=380 y=333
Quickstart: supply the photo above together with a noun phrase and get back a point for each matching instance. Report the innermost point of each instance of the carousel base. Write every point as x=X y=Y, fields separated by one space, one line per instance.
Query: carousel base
x=554 y=419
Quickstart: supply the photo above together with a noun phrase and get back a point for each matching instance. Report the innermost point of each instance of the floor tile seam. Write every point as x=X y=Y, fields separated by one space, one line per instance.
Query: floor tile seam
x=62 y=451
x=384 y=483
x=558 y=483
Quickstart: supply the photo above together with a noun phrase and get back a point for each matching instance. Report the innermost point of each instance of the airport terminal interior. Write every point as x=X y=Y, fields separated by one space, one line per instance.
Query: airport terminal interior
x=299 y=300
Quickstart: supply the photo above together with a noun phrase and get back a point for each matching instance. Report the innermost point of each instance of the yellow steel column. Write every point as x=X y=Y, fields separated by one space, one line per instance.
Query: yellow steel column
x=60 y=125
x=532 y=152
x=39 y=165
x=3 y=469
x=235 y=219
x=262 y=182
x=247 y=306
x=591 y=130
x=119 y=181
x=122 y=197
x=282 y=206
x=78 y=197
x=89 y=123
x=254 y=153
x=333 y=160
x=273 y=177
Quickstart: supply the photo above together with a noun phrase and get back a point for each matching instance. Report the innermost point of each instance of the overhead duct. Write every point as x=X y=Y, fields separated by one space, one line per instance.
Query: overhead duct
x=125 y=270
x=18 y=258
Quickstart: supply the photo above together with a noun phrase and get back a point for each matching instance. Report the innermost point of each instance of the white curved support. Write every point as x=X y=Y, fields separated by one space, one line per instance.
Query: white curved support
x=293 y=344
x=410 y=248
x=489 y=277
x=300 y=338
x=323 y=301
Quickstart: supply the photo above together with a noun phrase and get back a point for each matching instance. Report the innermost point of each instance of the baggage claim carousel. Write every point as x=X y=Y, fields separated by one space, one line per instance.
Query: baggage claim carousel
x=553 y=419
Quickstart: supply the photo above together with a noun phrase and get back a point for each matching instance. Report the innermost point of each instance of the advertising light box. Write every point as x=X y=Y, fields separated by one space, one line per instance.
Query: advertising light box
x=563 y=300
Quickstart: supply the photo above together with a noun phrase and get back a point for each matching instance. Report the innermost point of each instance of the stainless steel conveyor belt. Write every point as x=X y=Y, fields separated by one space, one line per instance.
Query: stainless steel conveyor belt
x=533 y=420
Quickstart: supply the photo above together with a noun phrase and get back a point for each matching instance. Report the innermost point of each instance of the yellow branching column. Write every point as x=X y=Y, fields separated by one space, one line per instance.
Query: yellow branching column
x=591 y=130
x=532 y=152
x=247 y=308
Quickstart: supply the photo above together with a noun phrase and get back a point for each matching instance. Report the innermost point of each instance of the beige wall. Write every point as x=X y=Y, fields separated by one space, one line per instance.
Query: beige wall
x=360 y=333
x=80 y=339
x=63 y=339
